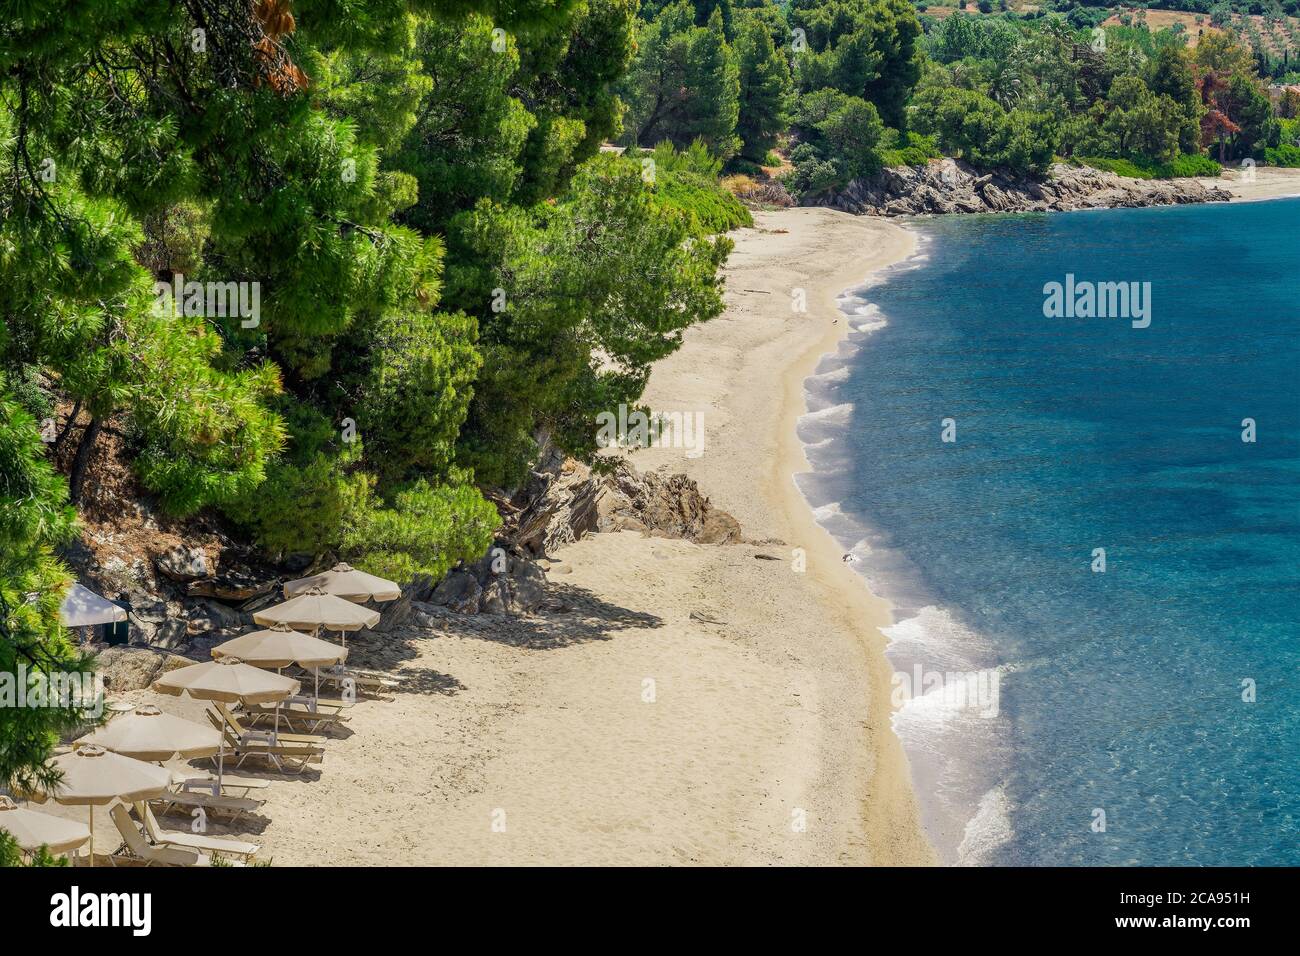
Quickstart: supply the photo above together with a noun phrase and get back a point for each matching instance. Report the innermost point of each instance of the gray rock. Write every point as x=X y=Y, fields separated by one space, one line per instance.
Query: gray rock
x=459 y=591
x=128 y=668
x=576 y=502
x=949 y=186
x=170 y=635
x=527 y=587
x=183 y=564
x=397 y=614
x=234 y=586
x=496 y=597
x=206 y=615
x=297 y=562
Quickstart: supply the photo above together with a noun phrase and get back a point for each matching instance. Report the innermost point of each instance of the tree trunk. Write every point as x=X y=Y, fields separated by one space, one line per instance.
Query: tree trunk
x=67 y=427
x=82 y=459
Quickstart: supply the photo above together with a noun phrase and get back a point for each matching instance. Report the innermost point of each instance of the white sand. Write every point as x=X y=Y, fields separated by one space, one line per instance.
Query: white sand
x=770 y=706
x=1269 y=183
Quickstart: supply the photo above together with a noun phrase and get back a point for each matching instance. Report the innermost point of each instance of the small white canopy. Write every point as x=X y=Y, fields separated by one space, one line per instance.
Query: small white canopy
x=84 y=608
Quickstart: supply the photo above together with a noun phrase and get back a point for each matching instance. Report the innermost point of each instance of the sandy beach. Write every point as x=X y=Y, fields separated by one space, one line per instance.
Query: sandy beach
x=1269 y=183
x=698 y=704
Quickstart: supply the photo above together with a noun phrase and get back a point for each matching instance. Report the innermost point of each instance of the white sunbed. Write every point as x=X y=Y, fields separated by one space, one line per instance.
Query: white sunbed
x=193 y=841
x=136 y=849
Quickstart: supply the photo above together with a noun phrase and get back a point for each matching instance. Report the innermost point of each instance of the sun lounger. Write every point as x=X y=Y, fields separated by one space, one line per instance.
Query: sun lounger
x=186 y=801
x=372 y=683
x=291 y=758
x=192 y=841
x=136 y=849
x=230 y=786
x=269 y=736
x=311 y=714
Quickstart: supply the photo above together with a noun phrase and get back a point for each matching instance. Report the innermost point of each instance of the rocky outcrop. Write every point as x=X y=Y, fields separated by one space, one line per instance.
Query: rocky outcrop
x=503 y=581
x=234 y=586
x=183 y=564
x=950 y=186
x=564 y=501
x=575 y=501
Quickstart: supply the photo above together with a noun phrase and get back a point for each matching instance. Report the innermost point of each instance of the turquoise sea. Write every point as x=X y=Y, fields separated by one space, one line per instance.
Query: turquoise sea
x=1055 y=712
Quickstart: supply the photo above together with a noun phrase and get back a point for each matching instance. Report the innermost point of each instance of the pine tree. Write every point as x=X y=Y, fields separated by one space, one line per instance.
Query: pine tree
x=766 y=90
x=713 y=77
x=34 y=518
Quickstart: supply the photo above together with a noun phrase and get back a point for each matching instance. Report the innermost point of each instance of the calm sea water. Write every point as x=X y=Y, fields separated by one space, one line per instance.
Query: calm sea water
x=1077 y=716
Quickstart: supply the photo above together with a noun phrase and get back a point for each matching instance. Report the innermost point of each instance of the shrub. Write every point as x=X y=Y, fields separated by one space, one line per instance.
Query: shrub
x=423 y=530
x=916 y=151
x=1180 y=167
x=758 y=192
x=839 y=141
x=1284 y=155
x=688 y=180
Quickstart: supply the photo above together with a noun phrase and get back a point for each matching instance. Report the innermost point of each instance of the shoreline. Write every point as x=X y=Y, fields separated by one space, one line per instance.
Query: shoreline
x=1271 y=182
x=827 y=253
x=692 y=704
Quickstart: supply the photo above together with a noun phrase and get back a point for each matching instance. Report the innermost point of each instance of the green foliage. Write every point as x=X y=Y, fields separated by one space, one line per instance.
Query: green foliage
x=868 y=49
x=766 y=90
x=34 y=518
x=968 y=124
x=1142 y=96
x=683 y=84
x=11 y=854
x=917 y=150
x=687 y=182
x=1134 y=122
x=469 y=133
x=592 y=291
x=204 y=436
x=839 y=140
x=1179 y=167
x=422 y=530
x=1286 y=154
x=1172 y=74
x=310 y=491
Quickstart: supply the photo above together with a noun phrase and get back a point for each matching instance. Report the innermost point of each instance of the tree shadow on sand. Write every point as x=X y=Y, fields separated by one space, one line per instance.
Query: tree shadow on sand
x=575 y=616
x=572 y=615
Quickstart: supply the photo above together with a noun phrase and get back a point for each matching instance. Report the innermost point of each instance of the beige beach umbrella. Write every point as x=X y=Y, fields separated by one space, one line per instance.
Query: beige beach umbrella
x=279 y=646
x=228 y=681
x=347 y=582
x=314 y=608
x=94 y=777
x=33 y=830
x=149 y=734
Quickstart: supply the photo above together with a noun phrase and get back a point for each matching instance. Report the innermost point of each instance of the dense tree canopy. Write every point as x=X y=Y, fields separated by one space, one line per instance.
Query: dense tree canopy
x=330 y=272
x=327 y=269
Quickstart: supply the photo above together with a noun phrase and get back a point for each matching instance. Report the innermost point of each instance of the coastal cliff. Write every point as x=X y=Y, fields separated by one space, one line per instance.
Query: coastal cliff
x=951 y=186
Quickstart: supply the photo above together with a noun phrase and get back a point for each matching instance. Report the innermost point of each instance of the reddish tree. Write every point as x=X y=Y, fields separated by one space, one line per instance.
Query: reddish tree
x=1216 y=127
